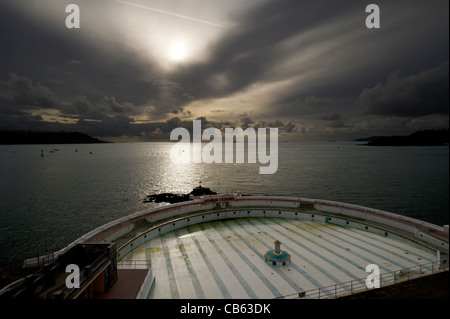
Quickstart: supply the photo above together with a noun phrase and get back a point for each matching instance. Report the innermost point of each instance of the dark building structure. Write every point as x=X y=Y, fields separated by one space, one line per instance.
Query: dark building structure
x=97 y=264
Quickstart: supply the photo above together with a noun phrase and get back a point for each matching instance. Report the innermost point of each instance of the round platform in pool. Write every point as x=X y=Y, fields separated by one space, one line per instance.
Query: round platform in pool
x=225 y=259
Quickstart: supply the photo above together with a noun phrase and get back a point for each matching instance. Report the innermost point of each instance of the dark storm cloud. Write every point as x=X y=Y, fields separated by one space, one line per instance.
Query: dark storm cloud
x=305 y=106
x=334 y=69
x=18 y=97
x=71 y=64
x=106 y=107
x=108 y=126
x=416 y=95
x=170 y=97
x=162 y=130
x=331 y=117
x=250 y=50
x=414 y=36
x=334 y=120
x=22 y=93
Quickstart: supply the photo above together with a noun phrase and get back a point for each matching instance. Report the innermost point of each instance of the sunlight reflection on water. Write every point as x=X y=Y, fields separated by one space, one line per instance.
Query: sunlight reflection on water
x=47 y=202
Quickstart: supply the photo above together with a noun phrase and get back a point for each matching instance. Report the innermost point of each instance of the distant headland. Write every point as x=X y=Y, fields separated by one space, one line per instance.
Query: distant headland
x=419 y=138
x=45 y=137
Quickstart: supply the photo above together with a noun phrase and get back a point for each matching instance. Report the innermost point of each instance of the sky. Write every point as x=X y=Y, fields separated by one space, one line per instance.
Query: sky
x=137 y=69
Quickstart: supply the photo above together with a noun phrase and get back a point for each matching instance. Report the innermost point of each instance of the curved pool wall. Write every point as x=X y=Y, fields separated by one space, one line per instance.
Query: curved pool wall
x=221 y=207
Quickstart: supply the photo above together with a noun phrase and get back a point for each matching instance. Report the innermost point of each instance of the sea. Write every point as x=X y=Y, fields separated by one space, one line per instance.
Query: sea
x=50 y=195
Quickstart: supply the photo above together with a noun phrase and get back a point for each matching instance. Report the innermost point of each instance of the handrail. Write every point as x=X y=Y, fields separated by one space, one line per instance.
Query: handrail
x=359 y=285
x=134 y=264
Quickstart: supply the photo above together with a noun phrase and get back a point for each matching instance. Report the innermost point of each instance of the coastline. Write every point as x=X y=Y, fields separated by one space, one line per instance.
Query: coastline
x=10 y=137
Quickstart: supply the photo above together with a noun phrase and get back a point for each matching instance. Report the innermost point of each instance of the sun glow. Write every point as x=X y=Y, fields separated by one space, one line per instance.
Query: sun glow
x=177 y=51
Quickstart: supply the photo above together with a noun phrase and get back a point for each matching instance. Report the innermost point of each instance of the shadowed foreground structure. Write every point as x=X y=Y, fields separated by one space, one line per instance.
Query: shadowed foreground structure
x=434 y=286
x=213 y=247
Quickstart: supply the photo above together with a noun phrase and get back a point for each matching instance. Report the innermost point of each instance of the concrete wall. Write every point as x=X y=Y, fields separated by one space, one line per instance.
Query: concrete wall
x=176 y=211
x=146 y=286
x=242 y=212
x=409 y=225
x=257 y=201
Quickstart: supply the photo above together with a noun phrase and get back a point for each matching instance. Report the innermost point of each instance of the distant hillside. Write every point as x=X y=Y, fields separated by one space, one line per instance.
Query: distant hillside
x=420 y=138
x=367 y=139
x=42 y=137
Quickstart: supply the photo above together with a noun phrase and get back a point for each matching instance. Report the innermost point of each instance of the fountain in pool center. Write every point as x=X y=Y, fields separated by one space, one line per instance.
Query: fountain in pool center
x=277 y=257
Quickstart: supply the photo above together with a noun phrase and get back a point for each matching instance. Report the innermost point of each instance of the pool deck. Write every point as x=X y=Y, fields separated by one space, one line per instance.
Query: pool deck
x=225 y=259
x=220 y=254
x=127 y=286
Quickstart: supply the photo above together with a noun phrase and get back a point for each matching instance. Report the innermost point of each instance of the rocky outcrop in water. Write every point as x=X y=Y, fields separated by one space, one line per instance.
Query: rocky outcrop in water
x=177 y=198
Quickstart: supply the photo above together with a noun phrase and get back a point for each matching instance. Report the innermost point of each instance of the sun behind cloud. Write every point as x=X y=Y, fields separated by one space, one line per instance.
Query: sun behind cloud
x=177 y=51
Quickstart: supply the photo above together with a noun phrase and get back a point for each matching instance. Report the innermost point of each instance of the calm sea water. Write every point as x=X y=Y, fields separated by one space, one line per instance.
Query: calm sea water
x=47 y=202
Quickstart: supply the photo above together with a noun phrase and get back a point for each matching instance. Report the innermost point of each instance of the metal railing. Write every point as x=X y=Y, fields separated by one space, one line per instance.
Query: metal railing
x=359 y=285
x=134 y=264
